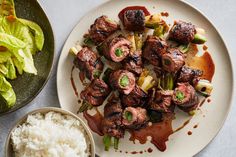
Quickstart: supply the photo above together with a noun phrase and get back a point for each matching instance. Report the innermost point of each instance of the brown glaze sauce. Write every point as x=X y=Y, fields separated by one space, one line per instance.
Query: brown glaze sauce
x=166 y=14
x=82 y=76
x=183 y=125
x=149 y=150
x=2 y=49
x=208 y=100
x=190 y=133
x=204 y=62
x=195 y=126
x=94 y=122
x=73 y=82
x=159 y=132
x=204 y=47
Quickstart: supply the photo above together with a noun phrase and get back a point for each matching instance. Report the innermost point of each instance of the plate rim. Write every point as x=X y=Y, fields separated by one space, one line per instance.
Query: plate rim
x=213 y=26
x=49 y=74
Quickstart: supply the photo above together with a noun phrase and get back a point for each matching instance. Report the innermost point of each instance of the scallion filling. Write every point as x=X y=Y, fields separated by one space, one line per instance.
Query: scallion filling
x=118 y=52
x=124 y=81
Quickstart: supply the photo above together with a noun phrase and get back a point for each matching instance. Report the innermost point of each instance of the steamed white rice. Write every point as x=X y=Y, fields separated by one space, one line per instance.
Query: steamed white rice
x=50 y=135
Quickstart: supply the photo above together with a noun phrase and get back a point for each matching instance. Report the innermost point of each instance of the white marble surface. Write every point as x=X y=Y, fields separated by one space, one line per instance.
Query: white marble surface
x=64 y=15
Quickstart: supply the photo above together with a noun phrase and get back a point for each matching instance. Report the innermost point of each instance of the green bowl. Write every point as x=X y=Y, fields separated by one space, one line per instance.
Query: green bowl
x=28 y=86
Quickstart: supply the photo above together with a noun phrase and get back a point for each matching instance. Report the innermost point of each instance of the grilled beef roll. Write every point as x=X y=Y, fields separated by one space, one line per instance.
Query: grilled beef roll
x=182 y=32
x=185 y=97
x=89 y=63
x=161 y=101
x=112 y=122
x=96 y=92
x=154 y=48
x=123 y=81
x=116 y=49
x=134 y=62
x=134 y=20
x=102 y=28
x=137 y=98
x=134 y=118
x=189 y=75
x=173 y=60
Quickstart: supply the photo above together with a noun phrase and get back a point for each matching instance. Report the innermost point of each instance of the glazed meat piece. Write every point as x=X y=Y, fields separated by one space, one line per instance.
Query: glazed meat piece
x=112 y=122
x=136 y=98
x=123 y=81
x=182 y=32
x=112 y=108
x=189 y=75
x=134 y=20
x=162 y=101
x=154 y=48
x=185 y=97
x=96 y=92
x=134 y=62
x=173 y=60
x=102 y=28
x=89 y=63
x=134 y=118
x=112 y=126
x=116 y=49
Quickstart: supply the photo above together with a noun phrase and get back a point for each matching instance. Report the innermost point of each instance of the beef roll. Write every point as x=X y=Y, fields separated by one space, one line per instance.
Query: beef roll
x=161 y=101
x=96 y=92
x=189 y=75
x=185 y=97
x=173 y=60
x=116 y=49
x=182 y=32
x=102 y=28
x=136 y=98
x=134 y=62
x=134 y=118
x=154 y=48
x=123 y=81
x=89 y=63
x=112 y=122
x=134 y=20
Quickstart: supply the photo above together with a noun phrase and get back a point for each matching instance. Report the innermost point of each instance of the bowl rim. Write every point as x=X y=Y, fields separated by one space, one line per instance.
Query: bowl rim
x=49 y=74
x=46 y=110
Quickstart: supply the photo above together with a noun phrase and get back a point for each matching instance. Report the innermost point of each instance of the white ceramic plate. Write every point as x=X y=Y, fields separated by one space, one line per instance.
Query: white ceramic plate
x=212 y=115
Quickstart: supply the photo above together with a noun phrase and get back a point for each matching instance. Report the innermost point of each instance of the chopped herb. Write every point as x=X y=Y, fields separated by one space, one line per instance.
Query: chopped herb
x=124 y=81
x=179 y=95
x=88 y=41
x=107 y=142
x=118 y=52
x=128 y=116
x=167 y=62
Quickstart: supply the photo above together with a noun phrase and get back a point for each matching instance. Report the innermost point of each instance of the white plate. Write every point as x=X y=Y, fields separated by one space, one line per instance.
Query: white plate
x=212 y=115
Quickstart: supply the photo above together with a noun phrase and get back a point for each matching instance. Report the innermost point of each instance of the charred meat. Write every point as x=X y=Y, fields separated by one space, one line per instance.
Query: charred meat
x=188 y=74
x=154 y=48
x=182 y=32
x=173 y=60
x=116 y=49
x=102 y=28
x=185 y=96
x=135 y=99
x=134 y=62
x=134 y=118
x=162 y=101
x=134 y=20
x=95 y=93
x=89 y=63
x=123 y=81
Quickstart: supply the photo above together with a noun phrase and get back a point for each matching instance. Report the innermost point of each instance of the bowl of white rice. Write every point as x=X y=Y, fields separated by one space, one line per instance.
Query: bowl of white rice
x=50 y=132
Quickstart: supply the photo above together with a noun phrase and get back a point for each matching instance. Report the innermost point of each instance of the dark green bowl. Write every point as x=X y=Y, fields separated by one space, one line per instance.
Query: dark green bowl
x=28 y=86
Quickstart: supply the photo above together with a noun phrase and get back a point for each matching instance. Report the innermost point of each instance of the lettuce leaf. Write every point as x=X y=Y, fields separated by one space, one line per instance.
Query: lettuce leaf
x=7 y=8
x=9 y=99
x=3 y=69
x=4 y=56
x=11 y=42
x=38 y=32
x=11 y=73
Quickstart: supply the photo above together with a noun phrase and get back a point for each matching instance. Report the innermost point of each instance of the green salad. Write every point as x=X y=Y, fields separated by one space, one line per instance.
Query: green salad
x=20 y=39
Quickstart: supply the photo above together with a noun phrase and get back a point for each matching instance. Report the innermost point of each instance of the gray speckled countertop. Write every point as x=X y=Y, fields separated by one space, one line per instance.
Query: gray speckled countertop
x=64 y=15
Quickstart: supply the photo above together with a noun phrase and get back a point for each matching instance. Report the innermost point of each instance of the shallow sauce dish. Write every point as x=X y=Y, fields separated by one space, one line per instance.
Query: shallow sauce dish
x=208 y=124
x=9 y=149
x=27 y=86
